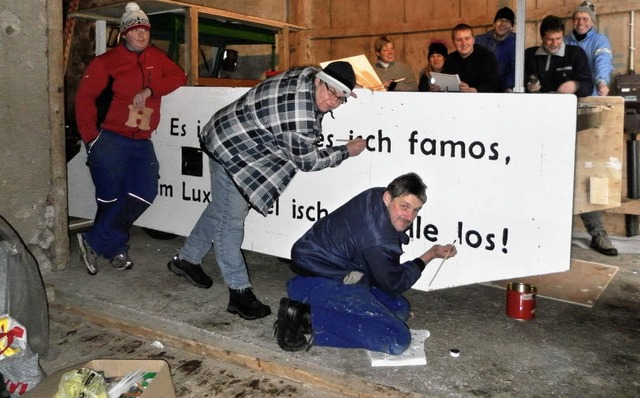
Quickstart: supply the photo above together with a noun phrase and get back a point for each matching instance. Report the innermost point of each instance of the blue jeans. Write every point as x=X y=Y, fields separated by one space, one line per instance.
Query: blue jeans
x=353 y=316
x=221 y=223
x=125 y=174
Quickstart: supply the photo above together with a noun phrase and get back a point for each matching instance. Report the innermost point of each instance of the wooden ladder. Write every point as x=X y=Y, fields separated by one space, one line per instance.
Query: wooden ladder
x=69 y=24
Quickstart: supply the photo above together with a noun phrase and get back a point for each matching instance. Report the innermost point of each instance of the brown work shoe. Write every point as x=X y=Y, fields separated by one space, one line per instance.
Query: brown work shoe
x=602 y=244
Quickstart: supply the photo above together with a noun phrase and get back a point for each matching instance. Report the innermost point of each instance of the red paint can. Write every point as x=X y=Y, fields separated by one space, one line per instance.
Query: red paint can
x=521 y=301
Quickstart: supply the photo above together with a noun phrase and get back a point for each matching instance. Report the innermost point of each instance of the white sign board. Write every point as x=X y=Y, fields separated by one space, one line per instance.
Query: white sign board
x=499 y=170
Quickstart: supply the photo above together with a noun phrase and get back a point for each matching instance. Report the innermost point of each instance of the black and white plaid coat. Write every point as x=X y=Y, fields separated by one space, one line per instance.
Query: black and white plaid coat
x=267 y=135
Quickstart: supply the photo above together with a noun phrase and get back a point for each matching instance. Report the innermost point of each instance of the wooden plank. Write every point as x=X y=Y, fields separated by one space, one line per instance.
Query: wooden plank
x=191 y=47
x=349 y=13
x=382 y=11
x=447 y=15
x=627 y=206
x=599 y=151
x=447 y=10
x=419 y=11
x=582 y=284
x=471 y=8
x=219 y=82
x=344 y=384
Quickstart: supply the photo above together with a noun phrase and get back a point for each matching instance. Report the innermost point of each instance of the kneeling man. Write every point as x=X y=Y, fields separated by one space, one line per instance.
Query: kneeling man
x=347 y=291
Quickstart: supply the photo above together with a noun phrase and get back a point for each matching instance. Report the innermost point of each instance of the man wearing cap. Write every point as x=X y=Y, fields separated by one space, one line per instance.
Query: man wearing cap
x=598 y=49
x=436 y=58
x=117 y=109
x=476 y=66
x=256 y=146
x=501 y=41
x=595 y=44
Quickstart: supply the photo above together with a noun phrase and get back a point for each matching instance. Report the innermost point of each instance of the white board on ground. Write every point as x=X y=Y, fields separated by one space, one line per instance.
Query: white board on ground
x=499 y=170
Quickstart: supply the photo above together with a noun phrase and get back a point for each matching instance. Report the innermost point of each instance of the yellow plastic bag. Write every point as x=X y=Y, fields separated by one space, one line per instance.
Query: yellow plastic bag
x=82 y=383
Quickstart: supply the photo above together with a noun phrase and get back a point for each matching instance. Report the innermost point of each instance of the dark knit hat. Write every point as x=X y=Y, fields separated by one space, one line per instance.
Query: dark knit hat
x=133 y=18
x=437 y=47
x=506 y=13
x=340 y=76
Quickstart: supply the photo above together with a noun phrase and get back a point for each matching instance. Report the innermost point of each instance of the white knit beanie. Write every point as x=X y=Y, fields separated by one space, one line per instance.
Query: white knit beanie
x=132 y=18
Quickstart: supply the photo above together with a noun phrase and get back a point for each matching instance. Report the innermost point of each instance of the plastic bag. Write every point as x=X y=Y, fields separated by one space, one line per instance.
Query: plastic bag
x=82 y=383
x=18 y=362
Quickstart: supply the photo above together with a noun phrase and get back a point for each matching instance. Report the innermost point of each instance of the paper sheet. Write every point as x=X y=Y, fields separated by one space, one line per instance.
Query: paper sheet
x=446 y=82
x=414 y=355
x=366 y=76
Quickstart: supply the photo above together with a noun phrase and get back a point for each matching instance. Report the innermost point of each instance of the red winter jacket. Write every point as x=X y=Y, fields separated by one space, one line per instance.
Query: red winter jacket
x=131 y=73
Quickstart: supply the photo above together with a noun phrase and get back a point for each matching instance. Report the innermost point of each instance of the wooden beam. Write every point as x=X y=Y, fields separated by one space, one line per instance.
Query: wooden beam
x=435 y=25
x=342 y=384
x=628 y=206
x=218 y=82
x=110 y=10
x=191 y=47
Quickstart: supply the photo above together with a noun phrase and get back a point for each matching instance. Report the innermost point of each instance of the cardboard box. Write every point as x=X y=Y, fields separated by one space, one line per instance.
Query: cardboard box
x=160 y=387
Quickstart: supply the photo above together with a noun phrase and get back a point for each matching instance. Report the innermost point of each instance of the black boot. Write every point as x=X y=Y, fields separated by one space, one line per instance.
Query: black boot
x=193 y=272
x=294 y=321
x=244 y=303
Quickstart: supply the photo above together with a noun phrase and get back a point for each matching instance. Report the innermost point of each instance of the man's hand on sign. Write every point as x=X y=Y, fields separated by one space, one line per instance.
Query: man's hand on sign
x=356 y=146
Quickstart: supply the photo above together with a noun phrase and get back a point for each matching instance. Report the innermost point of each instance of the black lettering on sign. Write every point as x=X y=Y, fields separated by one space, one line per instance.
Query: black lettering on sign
x=453 y=149
x=475 y=239
x=195 y=194
x=429 y=232
x=311 y=213
x=177 y=129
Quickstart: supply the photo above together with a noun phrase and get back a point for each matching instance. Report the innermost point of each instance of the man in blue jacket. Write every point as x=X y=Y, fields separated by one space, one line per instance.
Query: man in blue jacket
x=595 y=44
x=349 y=280
x=598 y=49
x=501 y=41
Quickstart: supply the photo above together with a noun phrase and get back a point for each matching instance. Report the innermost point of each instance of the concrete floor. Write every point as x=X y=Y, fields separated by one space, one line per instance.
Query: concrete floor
x=568 y=350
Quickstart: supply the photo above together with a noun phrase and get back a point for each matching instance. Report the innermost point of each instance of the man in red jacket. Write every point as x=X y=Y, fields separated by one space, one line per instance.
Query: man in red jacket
x=117 y=109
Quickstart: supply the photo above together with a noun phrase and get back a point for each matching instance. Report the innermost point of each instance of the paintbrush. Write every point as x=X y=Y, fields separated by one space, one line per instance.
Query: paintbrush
x=443 y=260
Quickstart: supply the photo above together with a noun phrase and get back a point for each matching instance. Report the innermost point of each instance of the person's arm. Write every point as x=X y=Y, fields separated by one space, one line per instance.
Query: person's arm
x=409 y=83
x=171 y=77
x=530 y=73
x=581 y=74
x=387 y=273
x=438 y=251
x=94 y=81
x=603 y=64
x=300 y=132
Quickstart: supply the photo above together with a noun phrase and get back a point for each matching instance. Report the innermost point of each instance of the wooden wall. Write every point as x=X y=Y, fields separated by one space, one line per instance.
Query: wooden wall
x=342 y=28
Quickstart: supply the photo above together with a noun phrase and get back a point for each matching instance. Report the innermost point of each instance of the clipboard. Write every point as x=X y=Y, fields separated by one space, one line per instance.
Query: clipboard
x=446 y=82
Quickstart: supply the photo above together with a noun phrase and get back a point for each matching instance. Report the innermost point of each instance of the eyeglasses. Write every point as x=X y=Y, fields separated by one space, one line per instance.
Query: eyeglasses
x=343 y=100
